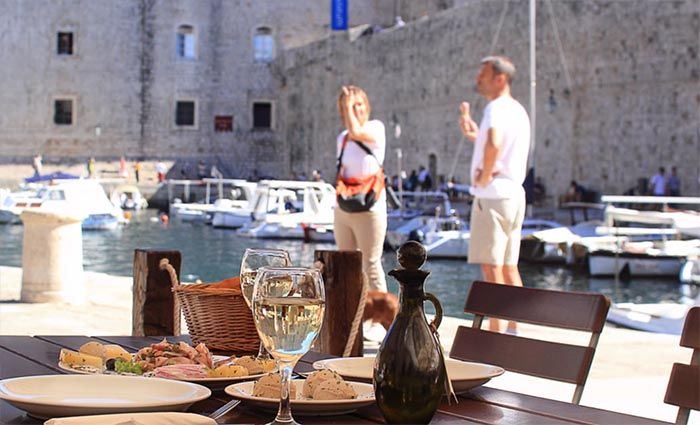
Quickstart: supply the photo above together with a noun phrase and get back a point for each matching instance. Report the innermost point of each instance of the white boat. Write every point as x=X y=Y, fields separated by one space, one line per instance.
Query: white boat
x=283 y=209
x=665 y=318
x=415 y=211
x=449 y=237
x=128 y=197
x=84 y=196
x=237 y=191
x=235 y=212
x=648 y=258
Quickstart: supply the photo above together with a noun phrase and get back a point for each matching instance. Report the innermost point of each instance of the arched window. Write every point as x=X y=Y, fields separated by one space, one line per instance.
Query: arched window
x=185 y=42
x=263 y=45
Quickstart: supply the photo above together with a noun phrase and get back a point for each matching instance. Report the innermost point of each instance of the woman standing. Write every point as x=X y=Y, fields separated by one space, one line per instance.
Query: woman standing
x=360 y=149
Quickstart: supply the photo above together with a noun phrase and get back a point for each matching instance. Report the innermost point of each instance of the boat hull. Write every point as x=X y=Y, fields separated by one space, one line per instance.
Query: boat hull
x=605 y=263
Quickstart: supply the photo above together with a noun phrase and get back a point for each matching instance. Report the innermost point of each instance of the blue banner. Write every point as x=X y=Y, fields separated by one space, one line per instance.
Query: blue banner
x=339 y=15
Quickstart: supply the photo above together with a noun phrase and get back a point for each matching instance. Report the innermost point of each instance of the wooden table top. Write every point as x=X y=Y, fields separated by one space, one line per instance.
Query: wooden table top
x=38 y=355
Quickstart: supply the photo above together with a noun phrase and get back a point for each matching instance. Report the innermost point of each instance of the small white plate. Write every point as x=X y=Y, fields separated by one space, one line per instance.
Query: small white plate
x=464 y=375
x=365 y=397
x=47 y=396
x=215 y=384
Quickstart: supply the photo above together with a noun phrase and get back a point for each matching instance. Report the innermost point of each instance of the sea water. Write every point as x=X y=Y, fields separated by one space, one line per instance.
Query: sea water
x=211 y=254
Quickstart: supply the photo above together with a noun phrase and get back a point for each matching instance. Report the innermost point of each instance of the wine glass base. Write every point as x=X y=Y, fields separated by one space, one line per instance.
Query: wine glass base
x=290 y=422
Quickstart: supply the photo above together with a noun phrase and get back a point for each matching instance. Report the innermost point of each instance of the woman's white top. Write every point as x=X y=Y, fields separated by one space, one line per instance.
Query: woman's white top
x=357 y=163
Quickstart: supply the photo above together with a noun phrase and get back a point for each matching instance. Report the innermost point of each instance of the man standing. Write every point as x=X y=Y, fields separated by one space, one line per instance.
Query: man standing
x=498 y=168
x=658 y=182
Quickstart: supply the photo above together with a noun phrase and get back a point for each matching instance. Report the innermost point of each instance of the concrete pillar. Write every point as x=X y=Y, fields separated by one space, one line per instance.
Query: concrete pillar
x=52 y=258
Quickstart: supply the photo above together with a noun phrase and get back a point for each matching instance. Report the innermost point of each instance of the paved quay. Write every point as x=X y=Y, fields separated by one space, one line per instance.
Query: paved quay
x=629 y=373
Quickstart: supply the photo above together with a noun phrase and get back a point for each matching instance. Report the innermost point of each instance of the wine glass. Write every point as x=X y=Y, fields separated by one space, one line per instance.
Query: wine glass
x=253 y=259
x=288 y=308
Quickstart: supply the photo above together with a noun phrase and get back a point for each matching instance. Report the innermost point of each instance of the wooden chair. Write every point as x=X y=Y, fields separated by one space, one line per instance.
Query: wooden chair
x=552 y=360
x=684 y=384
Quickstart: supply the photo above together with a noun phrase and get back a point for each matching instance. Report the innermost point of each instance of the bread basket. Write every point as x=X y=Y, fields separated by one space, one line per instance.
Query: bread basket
x=218 y=317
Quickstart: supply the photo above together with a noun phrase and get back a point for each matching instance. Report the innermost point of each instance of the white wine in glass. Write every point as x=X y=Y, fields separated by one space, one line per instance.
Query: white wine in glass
x=288 y=309
x=253 y=259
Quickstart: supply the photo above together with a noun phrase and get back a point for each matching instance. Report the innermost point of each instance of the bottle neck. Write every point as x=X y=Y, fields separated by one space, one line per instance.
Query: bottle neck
x=411 y=297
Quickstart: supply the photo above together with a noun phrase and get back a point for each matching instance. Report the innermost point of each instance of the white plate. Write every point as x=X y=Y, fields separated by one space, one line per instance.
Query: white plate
x=365 y=397
x=72 y=395
x=216 y=384
x=464 y=375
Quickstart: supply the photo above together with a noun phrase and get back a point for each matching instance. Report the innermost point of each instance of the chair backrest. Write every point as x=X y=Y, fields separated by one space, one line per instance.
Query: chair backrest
x=552 y=360
x=684 y=384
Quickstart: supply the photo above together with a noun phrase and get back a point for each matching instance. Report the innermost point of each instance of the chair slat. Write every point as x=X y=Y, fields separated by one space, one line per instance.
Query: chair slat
x=544 y=359
x=691 y=329
x=684 y=386
x=566 y=310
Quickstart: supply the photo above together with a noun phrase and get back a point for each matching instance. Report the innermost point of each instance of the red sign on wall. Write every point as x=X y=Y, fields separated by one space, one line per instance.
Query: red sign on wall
x=223 y=123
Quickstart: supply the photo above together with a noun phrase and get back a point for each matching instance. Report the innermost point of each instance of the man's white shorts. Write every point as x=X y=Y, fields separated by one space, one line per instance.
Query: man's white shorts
x=495 y=228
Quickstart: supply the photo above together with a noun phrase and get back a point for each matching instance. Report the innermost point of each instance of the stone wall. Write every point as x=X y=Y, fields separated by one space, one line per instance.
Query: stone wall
x=125 y=77
x=630 y=103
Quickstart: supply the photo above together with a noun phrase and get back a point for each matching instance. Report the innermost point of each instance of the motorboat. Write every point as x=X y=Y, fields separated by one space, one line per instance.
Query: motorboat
x=667 y=318
x=128 y=197
x=283 y=209
x=647 y=258
x=81 y=196
x=448 y=237
x=238 y=192
x=237 y=211
x=415 y=210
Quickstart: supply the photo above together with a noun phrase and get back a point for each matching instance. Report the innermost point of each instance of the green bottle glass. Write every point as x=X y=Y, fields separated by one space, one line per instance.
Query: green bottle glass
x=409 y=370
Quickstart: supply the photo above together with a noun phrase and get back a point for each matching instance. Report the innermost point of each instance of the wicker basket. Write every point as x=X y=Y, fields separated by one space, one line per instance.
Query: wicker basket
x=218 y=317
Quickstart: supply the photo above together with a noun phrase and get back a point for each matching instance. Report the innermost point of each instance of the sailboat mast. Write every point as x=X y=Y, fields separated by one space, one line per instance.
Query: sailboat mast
x=533 y=85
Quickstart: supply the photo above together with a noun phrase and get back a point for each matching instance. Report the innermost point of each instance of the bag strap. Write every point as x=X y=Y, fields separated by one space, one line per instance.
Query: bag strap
x=362 y=146
x=340 y=158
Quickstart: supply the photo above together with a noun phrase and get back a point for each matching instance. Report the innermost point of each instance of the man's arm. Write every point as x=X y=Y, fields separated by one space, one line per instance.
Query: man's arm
x=492 y=150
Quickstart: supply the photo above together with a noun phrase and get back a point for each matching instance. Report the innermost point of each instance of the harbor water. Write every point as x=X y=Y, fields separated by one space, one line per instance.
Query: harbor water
x=211 y=254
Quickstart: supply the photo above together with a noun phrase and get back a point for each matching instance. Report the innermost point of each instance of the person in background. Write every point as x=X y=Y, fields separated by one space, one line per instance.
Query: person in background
x=316 y=176
x=36 y=164
x=91 y=167
x=574 y=193
x=364 y=230
x=674 y=183
x=202 y=170
x=137 y=171
x=122 y=168
x=412 y=183
x=657 y=183
x=161 y=170
x=498 y=169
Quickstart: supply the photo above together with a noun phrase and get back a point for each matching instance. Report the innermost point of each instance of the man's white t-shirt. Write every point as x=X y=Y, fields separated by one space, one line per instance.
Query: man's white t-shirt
x=357 y=163
x=511 y=122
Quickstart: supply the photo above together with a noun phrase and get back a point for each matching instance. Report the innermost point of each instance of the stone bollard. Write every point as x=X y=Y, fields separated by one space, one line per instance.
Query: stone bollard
x=52 y=258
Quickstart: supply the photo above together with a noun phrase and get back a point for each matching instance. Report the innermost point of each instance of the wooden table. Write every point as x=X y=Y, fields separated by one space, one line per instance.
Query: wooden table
x=24 y=355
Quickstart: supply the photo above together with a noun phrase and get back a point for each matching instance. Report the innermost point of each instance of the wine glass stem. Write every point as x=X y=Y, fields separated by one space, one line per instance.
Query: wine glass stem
x=262 y=353
x=284 y=414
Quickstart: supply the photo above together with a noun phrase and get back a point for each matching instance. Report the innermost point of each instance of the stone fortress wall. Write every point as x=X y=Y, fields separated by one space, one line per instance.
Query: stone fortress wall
x=125 y=76
x=631 y=104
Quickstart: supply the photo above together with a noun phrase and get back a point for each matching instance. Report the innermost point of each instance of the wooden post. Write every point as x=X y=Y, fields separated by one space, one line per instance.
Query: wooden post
x=342 y=277
x=155 y=309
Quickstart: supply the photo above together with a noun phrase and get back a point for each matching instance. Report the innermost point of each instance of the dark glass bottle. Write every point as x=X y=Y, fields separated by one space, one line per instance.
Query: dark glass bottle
x=409 y=371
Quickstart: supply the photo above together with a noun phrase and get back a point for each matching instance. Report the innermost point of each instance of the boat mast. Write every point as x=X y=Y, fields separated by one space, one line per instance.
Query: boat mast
x=533 y=85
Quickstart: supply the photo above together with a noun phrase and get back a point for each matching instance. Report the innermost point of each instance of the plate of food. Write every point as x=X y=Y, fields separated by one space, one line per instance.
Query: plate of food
x=178 y=361
x=48 y=396
x=464 y=375
x=321 y=393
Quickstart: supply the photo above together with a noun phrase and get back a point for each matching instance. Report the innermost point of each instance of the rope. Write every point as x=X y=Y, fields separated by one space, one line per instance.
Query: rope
x=165 y=265
x=357 y=320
